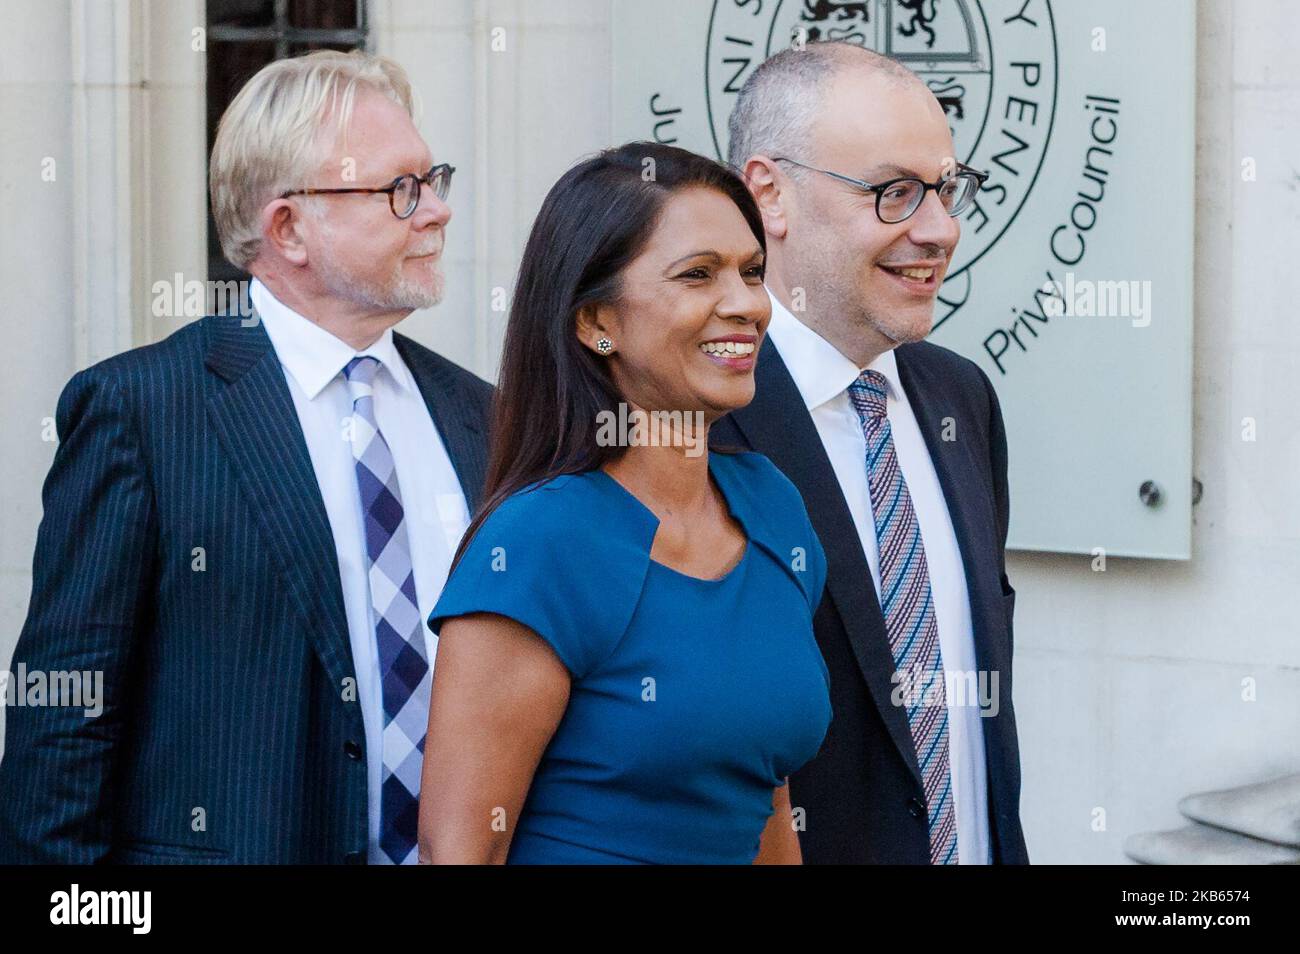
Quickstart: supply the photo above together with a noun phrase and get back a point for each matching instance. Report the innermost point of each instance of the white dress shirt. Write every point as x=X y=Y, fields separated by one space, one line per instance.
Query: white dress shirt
x=432 y=499
x=823 y=376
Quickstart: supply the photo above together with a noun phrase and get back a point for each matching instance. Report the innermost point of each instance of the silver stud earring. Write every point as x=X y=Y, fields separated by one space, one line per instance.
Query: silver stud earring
x=604 y=346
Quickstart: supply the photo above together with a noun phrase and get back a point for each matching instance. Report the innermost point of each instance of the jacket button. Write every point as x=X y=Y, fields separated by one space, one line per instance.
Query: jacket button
x=352 y=858
x=352 y=750
x=916 y=807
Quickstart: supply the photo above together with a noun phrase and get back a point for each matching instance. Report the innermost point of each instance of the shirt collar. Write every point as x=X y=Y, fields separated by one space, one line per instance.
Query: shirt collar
x=313 y=356
x=820 y=370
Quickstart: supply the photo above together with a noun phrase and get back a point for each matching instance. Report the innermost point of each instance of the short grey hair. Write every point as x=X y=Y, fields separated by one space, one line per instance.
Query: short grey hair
x=777 y=107
x=275 y=133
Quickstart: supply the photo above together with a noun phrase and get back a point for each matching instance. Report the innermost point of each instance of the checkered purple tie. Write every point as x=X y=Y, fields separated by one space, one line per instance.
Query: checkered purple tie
x=906 y=601
x=399 y=631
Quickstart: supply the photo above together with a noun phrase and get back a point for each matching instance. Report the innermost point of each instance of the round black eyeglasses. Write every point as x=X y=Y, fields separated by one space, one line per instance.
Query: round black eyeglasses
x=403 y=192
x=897 y=199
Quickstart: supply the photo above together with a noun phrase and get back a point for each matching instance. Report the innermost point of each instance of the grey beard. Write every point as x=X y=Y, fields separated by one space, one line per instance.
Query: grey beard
x=396 y=294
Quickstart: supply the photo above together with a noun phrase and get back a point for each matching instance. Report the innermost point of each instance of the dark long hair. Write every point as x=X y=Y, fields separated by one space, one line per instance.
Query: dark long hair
x=596 y=219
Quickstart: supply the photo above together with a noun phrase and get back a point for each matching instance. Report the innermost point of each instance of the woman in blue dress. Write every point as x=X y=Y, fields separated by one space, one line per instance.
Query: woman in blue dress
x=626 y=670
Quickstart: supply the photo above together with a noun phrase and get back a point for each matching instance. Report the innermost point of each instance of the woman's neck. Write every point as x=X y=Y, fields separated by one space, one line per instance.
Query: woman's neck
x=666 y=478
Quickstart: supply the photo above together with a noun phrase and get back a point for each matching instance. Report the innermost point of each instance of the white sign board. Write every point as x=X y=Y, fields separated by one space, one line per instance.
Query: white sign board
x=1072 y=284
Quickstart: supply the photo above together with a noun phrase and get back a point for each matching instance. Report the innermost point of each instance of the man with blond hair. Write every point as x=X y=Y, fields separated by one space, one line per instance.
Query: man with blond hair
x=247 y=524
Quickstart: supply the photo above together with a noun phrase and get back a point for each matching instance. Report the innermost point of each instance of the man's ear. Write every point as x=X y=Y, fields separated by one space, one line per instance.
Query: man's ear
x=282 y=230
x=764 y=180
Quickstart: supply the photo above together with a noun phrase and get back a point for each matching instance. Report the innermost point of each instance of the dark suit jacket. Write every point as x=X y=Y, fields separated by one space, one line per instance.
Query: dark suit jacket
x=228 y=733
x=862 y=793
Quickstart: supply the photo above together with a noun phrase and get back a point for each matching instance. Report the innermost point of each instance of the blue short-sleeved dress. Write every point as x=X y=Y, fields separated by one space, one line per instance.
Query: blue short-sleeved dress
x=691 y=699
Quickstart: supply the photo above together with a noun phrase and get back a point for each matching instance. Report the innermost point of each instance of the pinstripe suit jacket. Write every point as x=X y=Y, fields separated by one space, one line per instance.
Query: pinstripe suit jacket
x=228 y=733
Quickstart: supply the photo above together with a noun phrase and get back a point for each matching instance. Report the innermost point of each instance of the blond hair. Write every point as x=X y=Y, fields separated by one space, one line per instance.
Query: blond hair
x=270 y=138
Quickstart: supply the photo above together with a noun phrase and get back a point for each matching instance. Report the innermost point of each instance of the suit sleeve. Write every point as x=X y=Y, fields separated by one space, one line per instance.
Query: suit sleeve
x=92 y=571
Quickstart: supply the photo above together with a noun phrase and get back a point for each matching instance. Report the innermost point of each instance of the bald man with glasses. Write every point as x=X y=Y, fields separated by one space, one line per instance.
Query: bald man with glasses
x=898 y=448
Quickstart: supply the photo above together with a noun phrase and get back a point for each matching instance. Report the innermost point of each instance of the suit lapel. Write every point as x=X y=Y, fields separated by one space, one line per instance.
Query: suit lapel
x=454 y=415
x=968 y=497
x=777 y=424
x=258 y=427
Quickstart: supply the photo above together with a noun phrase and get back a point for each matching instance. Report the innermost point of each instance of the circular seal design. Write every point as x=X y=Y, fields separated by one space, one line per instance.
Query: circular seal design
x=992 y=65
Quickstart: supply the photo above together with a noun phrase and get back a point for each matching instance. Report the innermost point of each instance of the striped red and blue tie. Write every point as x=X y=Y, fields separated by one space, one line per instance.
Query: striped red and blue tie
x=908 y=607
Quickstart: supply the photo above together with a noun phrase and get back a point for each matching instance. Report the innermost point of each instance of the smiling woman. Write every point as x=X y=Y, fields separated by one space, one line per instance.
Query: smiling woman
x=626 y=667
x=584 y=277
